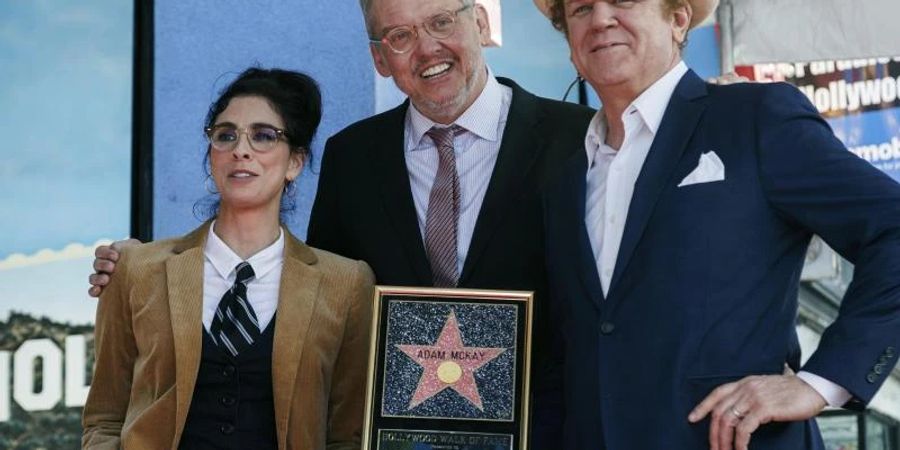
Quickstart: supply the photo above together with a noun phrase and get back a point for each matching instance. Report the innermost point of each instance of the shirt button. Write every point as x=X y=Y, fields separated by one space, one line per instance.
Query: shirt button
x=607 y=328
x=612 y=220
x=608 y=273
x=226 y=428
x=227 y=400
x=228 y=371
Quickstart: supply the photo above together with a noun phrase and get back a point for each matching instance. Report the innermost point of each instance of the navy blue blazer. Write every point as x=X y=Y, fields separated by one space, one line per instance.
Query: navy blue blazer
x=704 y=290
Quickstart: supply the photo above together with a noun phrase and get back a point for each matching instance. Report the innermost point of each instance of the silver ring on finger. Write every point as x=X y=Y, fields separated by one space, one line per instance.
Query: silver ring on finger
x=738 y=414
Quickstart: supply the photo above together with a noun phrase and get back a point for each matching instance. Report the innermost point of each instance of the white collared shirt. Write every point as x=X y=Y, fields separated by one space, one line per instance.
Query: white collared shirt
x=219 y=263
x=611 y=176
x=476 y=152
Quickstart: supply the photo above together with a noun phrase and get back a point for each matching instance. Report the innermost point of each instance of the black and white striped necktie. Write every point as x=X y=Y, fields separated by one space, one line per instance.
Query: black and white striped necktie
x=235 y=327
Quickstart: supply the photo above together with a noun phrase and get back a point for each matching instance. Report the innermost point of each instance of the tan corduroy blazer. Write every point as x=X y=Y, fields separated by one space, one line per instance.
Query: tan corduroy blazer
x=148 y=343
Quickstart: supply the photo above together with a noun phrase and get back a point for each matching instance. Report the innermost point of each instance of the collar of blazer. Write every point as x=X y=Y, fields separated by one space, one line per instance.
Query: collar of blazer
x=293 y=247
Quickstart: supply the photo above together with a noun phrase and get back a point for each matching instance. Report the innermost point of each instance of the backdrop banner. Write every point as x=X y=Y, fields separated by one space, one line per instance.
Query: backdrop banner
x=859 y=99
x=66 y=102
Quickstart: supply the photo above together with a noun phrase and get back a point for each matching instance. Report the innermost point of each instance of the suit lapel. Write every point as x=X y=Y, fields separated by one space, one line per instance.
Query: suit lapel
x=677 y=126
x=296 y=305
x=389 y=162
x=518 y=151
x=571 y=211
x=184 y=275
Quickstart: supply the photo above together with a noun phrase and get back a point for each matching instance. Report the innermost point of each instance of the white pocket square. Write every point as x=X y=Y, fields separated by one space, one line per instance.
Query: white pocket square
x=710 y=169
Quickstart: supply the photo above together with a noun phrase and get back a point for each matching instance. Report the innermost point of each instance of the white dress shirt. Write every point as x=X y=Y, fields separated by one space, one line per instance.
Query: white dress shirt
x=612 y=174
x=219 y=274
x=476 y=151
x=610 y=180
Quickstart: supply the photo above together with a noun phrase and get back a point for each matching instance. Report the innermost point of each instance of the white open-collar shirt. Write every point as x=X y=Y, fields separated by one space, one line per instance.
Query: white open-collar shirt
x=611 y=174
x=610 y=180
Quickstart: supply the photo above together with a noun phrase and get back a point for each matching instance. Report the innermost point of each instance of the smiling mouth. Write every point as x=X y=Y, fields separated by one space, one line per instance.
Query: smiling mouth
x=605 y=47
x=436 y=70
x=242 y=174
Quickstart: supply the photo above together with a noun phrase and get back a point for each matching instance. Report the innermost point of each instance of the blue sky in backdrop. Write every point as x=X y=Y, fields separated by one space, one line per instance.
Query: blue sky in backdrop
x=65 y=133
x=65 y=147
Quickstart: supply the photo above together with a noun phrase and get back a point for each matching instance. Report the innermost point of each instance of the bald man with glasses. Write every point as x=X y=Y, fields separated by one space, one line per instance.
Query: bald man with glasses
x=443 y=190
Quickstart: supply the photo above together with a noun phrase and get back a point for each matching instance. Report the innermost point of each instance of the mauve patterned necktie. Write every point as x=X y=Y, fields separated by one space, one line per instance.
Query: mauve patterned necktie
x=443 y=210
x=234 y=325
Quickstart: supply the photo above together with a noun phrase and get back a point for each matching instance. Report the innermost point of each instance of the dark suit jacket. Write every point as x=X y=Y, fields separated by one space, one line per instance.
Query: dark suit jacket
x=149 y=340
x=364 y=207
x=705 y=285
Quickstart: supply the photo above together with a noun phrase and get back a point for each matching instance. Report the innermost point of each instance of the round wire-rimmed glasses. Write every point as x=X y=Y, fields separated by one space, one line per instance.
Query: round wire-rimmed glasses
x=401 y=39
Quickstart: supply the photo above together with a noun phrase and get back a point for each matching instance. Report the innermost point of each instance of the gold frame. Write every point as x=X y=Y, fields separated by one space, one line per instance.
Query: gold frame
x=449 y=294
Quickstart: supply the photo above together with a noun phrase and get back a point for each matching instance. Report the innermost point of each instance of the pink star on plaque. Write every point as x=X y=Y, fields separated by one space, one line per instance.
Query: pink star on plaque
x=449 y=364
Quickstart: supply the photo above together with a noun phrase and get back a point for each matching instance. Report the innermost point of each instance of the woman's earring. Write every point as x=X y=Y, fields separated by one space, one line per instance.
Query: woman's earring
x=290 y=188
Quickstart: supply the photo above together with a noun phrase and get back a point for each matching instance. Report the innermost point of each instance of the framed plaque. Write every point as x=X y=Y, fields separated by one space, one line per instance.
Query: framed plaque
x=448 y=370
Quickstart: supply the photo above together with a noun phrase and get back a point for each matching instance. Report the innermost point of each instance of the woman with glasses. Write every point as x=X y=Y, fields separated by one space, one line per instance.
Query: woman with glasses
x=236 y=335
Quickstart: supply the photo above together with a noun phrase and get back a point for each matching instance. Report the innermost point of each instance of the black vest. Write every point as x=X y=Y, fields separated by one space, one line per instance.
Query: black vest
x=232 y=406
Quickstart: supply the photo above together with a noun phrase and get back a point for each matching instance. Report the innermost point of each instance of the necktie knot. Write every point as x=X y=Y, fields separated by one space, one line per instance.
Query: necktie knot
x=244 y=273
x=443 y=136
x=234 y=325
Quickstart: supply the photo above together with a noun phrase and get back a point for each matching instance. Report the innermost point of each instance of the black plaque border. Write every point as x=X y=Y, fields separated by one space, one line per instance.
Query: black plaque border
x=374 y=421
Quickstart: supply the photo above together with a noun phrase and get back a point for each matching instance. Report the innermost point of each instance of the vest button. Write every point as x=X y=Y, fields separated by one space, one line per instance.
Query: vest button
x=228 y=371
x=227 y=400
x=607 y=327
x=226 y=428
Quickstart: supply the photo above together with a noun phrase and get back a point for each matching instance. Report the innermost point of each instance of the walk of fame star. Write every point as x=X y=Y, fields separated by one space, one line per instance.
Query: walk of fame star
x=449 y=364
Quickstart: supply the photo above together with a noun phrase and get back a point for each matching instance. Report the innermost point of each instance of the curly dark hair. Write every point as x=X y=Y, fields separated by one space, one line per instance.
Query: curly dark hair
x=293 y=95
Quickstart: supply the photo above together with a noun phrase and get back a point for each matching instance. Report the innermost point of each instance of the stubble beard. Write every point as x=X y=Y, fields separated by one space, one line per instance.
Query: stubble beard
x=452 y=107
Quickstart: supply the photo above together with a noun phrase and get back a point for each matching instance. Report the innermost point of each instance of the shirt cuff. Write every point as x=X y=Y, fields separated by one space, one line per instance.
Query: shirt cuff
x=833 y=394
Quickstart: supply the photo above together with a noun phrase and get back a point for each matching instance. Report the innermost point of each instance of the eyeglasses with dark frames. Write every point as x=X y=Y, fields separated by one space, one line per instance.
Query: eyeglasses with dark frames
x=401 y=39
x=262 y=137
